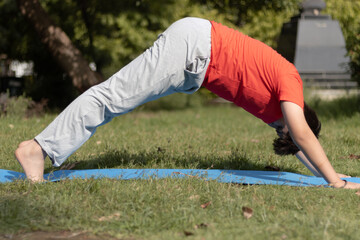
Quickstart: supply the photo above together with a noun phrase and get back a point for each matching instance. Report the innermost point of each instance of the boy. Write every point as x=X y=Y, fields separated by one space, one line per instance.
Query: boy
x=191 y=53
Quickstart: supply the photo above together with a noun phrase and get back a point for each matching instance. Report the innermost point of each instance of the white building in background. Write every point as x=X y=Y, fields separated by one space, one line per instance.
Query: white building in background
x=22 y=69
x=12 y=73
x=15 y=68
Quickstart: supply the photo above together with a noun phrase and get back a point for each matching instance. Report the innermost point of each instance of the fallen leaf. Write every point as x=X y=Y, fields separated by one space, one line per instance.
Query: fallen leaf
x=358 y=193
x=110 y=217
x=205 y=205
x=353 y=156
x=201 y=225
x=255 y=140
x=98 y=142
x=11 y=126
x=247 y=212
x=187 y=233
x=272 y=168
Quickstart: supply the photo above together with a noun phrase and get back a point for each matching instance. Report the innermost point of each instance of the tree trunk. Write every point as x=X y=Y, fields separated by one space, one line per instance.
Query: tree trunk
x=58 y=43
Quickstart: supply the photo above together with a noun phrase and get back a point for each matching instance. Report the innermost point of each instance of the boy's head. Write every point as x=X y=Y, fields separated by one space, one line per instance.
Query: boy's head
x=284 y=145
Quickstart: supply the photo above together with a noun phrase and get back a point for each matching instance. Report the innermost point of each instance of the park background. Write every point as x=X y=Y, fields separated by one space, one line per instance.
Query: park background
x=180 y=131
x=110 y=34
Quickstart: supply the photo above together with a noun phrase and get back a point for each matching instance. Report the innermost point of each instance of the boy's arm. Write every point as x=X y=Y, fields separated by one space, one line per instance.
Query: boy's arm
x=300 y=155
x=304 y=138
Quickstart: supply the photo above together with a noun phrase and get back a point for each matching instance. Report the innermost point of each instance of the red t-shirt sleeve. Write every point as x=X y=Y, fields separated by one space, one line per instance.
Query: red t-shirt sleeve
x=290 y=86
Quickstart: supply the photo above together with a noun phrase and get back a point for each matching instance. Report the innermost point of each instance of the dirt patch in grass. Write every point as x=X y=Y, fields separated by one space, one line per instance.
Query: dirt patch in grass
x=56 y=236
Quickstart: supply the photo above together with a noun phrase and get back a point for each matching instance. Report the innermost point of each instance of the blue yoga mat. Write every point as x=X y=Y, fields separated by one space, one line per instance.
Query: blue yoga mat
x=224 y=176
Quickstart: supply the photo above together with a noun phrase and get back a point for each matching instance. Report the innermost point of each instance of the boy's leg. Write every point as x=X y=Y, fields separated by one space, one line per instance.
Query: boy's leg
x=177 y=62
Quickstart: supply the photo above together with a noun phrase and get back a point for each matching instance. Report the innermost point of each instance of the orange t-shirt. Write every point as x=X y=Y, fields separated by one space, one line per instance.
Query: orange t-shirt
x=251 y=74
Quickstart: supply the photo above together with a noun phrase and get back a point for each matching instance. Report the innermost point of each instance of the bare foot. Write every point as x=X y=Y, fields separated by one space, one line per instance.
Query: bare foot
x=31 y=157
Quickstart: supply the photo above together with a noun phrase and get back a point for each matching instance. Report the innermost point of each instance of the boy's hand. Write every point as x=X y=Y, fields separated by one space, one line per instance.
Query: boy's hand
x=352 y=185
x=345 y=184
x=343 y=175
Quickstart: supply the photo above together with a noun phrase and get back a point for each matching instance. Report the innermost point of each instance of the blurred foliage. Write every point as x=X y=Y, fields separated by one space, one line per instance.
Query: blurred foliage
x=111 y=33
x=20 y=107
x=337 y=108
x=347 y=12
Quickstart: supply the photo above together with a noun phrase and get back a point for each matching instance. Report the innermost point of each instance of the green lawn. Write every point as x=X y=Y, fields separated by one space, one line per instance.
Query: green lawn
x=219 y=137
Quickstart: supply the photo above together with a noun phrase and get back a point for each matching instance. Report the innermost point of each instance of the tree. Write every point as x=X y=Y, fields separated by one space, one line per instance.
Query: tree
x=347 y=13
x=59 y=45
x=111 y=33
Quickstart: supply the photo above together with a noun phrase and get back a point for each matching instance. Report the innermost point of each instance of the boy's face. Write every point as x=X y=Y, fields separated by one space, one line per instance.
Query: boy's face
x=281 y=131
x=280 y=127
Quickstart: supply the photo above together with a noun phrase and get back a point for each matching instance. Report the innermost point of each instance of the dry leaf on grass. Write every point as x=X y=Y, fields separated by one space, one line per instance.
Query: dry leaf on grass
x=110 y=217
x=201 y=225
x=351 y=156
x=358 y=193
x=187 y=233
x=247 y=212
x=205 y=205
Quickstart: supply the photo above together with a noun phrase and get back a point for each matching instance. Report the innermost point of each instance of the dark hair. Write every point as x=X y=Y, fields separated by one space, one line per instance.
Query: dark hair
x=284 y=145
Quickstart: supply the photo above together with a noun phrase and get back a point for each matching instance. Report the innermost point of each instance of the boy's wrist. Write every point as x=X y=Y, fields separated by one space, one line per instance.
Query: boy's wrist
x=339 y=184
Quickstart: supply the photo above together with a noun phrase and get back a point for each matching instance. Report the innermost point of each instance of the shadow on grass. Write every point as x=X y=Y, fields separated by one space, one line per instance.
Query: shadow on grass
x=237 y=160
x=342 y=107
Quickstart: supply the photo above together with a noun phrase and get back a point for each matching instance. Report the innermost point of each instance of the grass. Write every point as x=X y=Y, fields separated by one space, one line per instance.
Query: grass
x=210 y=137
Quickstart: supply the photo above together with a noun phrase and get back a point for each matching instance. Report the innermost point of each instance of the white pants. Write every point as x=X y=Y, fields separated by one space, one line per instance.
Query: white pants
x=177 y=62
